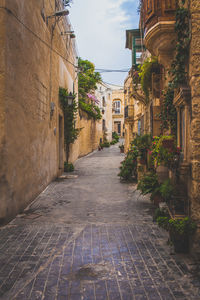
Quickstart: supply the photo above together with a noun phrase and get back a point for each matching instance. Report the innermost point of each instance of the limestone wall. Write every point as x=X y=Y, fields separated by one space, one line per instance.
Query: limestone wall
x=35 y=60
x=89 y=137
x=194 y=74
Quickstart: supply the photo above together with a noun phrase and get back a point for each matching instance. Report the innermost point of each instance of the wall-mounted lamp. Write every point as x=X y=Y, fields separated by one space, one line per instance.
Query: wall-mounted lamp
x=60 y=13
x=70 y=99
x=70 y=33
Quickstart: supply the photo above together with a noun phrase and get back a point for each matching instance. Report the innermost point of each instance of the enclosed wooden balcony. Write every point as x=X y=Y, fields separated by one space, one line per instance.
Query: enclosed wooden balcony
x=158 y=20
x=129 y=112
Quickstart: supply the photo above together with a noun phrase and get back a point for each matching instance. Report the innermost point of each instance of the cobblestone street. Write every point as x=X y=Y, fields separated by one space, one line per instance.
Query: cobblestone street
x=88 y=236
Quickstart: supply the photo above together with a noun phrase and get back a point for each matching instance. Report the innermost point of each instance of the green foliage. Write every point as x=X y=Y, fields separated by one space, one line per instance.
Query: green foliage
x=69 y=112
x=92 y=110
x=87 y=78
x=115 y=136
x=128 y=168
x=121 y=147
x=68 y=167
x=106 y=144
x=177 y=227
x=143 y=144
x=164 y=150
x=182 y=226
x=148 y=183
x=163 y=222
x=166 y=190
x=160 y=213
x=168 y=114
x=149 y=66
x=178 y=72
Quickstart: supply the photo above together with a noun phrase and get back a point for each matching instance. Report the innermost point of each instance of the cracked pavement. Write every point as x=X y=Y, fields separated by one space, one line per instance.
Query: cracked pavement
x=89 y=236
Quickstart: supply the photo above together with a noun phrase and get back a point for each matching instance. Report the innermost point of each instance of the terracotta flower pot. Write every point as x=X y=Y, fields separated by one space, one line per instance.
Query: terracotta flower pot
x=163 y=173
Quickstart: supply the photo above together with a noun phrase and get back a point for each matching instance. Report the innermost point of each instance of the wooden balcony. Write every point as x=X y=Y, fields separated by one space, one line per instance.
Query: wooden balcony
x=159 y=20
x=129 y=112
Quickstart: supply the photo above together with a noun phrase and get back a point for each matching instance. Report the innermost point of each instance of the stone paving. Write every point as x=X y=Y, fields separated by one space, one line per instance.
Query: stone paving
x=88 y=236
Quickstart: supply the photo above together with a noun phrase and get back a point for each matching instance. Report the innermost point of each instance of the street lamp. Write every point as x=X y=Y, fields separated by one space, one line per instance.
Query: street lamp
x=70 y=33
x=70 y=99
x=60 y=13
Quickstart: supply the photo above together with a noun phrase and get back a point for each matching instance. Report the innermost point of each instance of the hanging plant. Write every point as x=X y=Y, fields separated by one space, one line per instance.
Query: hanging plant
x=71 y=133
x=149 y=66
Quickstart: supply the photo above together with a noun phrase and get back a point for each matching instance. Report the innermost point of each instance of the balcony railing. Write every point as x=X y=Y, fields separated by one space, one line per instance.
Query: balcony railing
x=155 y=11
x=129 y=112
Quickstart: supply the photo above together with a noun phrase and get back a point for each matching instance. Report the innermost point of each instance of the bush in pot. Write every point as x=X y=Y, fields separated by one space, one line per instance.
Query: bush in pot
x=180 y=231
x=148 y=183
x=128 y=168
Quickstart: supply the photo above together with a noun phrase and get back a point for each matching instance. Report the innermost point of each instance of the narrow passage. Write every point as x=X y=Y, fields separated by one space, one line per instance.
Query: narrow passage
x=90 y=237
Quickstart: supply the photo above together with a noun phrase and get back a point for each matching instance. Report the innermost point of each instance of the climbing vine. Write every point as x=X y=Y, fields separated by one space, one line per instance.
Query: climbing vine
x=168 y=114
x=149 y=66
x=69 y=112
x=177 y=71
x=92 y=110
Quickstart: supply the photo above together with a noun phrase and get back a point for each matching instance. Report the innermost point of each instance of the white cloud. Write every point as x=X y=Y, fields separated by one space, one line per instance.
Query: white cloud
x=100 y=30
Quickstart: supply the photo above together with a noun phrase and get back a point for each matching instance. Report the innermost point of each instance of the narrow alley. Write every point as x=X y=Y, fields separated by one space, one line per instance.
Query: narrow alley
x=88 y=236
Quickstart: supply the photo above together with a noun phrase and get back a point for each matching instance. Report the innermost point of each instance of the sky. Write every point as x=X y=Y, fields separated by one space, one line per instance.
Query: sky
x=100 y=28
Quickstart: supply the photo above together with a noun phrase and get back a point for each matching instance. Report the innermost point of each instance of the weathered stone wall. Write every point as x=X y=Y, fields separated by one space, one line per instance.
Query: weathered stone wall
x=194 y=75
x=89 y=138
x=35 y=60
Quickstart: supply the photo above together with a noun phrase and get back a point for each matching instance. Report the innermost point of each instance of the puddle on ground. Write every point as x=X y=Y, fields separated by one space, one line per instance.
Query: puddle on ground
x=93 y=272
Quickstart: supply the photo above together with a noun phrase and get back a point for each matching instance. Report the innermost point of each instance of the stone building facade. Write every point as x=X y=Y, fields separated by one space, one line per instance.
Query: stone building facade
x=159 y=20
x=118 y=111
x=141 y=114
x=37 y=57
x=104 y=96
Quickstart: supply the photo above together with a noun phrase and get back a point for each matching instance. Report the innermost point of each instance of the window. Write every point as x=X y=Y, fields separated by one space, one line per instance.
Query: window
x=103 y=101
x=117 y=107
x=139 y=127
x=103 y=125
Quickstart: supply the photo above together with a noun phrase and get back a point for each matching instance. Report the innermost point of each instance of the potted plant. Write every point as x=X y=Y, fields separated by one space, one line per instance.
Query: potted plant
x=68 y=167
x=165 y=153
x=143 y=144
x=128 y=168
x=148 y=183
x=180 y=231
x=121 y=147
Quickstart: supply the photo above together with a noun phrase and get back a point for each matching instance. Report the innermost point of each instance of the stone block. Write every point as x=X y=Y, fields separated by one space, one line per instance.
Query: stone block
x=195 y=129
x=195 y=86
x=195 y=145
x=195 y=192
x=195 y=107
x=195 y=43
x=194 y=64
x=194 y=5
x=196 y=170
x=195 y=19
